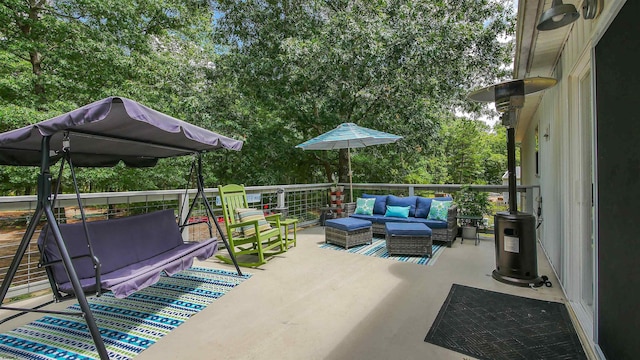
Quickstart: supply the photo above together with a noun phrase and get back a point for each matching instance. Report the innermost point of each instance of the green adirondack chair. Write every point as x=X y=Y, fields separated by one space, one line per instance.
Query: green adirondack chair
x=254 y=236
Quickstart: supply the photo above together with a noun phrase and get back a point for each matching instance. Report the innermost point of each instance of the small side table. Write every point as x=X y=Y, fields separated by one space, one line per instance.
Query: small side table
x=326 y=213
x=473 y=221
x=285 y=226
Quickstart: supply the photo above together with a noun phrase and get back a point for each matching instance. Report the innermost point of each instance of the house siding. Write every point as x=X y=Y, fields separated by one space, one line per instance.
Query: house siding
x=556 y=234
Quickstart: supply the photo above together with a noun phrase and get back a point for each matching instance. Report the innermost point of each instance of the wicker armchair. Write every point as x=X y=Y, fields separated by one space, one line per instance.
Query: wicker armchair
x=349 y=208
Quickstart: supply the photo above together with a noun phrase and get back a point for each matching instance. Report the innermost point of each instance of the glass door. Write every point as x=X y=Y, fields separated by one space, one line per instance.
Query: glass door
x=587 y=207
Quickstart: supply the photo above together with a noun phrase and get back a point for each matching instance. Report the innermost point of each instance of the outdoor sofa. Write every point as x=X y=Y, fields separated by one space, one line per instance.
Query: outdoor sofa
x=419 y=207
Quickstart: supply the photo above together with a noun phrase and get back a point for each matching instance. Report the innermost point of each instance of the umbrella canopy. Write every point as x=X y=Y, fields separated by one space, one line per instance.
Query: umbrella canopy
x=108 y=131
x=348 y=136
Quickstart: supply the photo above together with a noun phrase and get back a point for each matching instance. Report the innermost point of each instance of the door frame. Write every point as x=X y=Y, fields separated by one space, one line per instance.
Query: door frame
x=585 y=66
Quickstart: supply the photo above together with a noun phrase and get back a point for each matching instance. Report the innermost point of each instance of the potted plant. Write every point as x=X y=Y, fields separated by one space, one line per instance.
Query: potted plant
x=334 y=186
x=472 y=206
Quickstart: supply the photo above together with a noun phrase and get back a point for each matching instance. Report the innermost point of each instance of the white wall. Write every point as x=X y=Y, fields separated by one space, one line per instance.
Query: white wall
x=551 y=231
x=557 y=233
x=553 y=114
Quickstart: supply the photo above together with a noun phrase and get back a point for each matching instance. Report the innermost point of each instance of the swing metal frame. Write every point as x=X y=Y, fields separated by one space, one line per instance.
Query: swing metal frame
x=44 y=207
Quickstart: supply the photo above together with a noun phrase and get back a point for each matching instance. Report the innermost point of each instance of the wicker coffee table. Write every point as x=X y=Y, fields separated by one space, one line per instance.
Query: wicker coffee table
x=348 y=232
x=408 y=239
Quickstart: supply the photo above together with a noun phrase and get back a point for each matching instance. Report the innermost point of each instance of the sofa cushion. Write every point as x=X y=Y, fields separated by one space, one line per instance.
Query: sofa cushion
x=423 y=205
x=410 y=201
x=365 y=206
x=407 y=229
x=439 y=210
x=375 y=218
x=397 y=211
x=434 y=224
x=381 y=219
x=348 y=224
x=381 y=203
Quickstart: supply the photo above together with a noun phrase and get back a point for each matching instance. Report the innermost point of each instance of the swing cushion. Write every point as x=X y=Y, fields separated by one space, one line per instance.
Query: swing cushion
x=133 y=251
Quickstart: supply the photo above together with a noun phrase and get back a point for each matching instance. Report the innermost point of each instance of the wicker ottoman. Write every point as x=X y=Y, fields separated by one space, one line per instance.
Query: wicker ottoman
x=408 y=239
x=348 y=232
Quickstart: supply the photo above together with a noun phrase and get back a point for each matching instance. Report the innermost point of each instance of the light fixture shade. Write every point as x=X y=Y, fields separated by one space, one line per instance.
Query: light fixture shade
x=512 y=87
x=558 y=16
x=510 y=94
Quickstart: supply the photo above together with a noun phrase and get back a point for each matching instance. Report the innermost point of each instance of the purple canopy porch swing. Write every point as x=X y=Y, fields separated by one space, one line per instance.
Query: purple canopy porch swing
x=102 y=134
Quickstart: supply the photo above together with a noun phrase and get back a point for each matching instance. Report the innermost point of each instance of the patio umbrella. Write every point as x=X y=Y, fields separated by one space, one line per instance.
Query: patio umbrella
x=348 y=136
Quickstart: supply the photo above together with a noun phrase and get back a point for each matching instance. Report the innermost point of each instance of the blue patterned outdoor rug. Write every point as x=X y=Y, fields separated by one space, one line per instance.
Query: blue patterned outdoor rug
x=128 y=326
x=378 y=248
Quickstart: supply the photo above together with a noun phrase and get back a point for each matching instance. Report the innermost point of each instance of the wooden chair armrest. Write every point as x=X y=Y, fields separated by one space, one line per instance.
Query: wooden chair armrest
x=273 y=219
x=238 y=225
x=272 y=216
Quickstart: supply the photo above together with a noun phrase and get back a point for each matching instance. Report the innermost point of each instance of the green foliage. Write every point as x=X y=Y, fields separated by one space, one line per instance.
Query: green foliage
x=495 y=162
x=472 y=203
x=271 y=73
x=383 y=65
x=471 y=153
x=59 y=55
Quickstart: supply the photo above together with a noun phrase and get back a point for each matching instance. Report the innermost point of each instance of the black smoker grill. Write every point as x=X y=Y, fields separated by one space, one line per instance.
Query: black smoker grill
x=515 y=232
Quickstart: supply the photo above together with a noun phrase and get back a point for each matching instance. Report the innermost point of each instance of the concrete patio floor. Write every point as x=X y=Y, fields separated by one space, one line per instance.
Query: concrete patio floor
x=313 y=303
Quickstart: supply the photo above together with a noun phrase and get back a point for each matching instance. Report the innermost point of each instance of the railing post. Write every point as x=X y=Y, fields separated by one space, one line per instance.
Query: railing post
x=528 y=200
x=281 y=198
x=411 y=190
x=281 y=203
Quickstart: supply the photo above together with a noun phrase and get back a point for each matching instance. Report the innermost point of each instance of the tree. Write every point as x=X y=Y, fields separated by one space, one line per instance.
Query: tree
x=396 y=66
x=472 y=153
x=274 y=73
x=78 y=50
x=464 y=145
x=495 y=162
x=59 y=55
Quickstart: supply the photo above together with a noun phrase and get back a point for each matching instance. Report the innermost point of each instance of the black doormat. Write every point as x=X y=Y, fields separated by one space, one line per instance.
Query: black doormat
x=491 y=325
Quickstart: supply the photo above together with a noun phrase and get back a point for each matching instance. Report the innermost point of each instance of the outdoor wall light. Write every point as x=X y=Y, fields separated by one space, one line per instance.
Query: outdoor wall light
x=559 y=14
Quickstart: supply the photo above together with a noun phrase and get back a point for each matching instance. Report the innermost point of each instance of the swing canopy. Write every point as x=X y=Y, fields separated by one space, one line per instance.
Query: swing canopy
x=125 y=254
x=108 y=131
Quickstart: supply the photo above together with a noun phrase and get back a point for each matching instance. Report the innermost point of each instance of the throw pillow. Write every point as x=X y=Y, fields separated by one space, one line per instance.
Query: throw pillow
x=410 y=201
x=252 y=214
x=365 y=206
x=381 y=203
x=439 y=210
x=423 y=205
x=397 y=211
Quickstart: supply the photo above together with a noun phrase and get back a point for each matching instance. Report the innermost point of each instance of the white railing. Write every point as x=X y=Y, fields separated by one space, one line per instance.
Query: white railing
x=304 y=202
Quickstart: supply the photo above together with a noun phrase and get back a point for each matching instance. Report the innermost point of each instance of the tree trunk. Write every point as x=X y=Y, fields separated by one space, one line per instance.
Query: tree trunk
x=343 y=166
x=327 y=170
x=35 y=56
x=36 y=66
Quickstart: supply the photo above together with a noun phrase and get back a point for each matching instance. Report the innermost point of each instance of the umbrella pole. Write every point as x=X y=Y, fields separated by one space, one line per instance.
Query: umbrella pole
x=350 y=180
